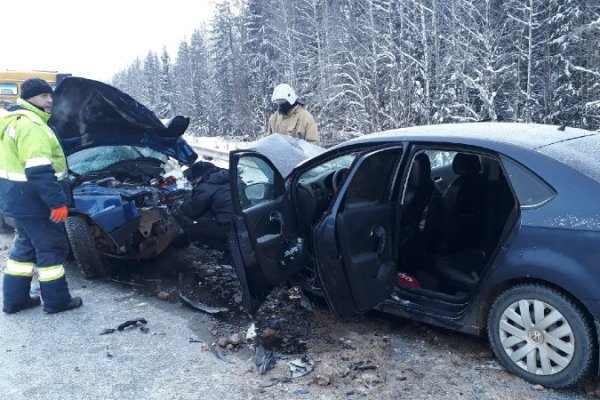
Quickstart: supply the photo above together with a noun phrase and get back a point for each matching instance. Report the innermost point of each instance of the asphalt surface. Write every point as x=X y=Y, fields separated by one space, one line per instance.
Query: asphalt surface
x=63 y=356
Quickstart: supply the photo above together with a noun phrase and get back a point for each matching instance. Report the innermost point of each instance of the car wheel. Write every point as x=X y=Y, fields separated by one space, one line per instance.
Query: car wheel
x=541 y=335
x=84 y=248
x=4 y=227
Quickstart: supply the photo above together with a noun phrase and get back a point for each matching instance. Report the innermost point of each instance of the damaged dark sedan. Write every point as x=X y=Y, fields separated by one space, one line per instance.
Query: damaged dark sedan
x=124 y=168
x=481 y=228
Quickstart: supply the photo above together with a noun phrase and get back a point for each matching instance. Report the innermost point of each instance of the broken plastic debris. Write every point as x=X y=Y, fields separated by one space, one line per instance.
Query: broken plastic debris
x=125 y=324
x=132 y=322
x=306 y=303
x=201 y=307
x=215 y=350
x=492 y=364
x=251 y=332
x=264 y=359
x=361 y=366
x=301 y=366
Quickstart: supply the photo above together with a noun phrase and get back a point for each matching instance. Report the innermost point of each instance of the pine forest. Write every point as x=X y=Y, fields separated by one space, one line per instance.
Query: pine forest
x=363 y=66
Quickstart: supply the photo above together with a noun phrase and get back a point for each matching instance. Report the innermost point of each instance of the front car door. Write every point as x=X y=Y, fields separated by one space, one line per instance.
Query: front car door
x=361 y=227
x=264 y=240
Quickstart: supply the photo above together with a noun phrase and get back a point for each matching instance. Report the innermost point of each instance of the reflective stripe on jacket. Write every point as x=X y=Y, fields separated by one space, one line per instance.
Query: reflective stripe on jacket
x=33 y=167
x=298 y=123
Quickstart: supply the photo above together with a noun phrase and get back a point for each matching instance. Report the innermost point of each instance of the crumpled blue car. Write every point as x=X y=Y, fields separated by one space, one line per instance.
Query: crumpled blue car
x=125 y=171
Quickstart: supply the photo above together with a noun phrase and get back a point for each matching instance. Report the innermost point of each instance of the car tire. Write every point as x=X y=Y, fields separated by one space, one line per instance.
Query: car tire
x=4 y=226
x=83 y=247
x=557 y=351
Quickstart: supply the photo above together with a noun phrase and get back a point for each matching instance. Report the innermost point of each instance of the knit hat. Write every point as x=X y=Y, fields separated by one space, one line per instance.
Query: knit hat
x=33 y=87
x=200 y=168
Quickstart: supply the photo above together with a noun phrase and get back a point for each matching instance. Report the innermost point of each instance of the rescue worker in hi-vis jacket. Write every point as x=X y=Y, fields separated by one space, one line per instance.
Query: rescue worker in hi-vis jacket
x=34 y=191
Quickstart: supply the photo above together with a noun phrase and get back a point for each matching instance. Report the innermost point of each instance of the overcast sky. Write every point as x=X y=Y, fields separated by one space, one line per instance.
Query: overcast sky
x=94 y=39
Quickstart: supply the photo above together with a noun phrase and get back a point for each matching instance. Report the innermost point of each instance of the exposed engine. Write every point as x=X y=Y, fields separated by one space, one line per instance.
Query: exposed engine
x=131 y=204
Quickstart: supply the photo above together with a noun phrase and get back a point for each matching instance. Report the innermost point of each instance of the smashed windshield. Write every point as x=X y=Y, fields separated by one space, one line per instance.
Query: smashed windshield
x=97 y=158
x=285 y=152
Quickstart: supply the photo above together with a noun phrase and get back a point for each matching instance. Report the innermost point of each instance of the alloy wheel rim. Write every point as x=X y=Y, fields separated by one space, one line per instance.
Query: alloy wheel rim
x=536 y=337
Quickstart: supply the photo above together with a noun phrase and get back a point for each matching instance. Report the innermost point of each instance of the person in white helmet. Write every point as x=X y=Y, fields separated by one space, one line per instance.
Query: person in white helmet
x=291 y=118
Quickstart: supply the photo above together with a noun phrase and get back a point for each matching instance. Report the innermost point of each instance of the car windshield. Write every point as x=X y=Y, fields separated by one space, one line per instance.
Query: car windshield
x=98 y=158
x=332 y=165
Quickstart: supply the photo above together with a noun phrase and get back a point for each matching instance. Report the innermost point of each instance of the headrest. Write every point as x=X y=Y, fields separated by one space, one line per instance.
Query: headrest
x=466 y=164
x=420 y=170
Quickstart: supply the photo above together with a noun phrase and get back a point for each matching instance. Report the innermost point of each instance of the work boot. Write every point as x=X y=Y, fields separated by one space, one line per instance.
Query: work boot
x=32 y=302
x=75 y=302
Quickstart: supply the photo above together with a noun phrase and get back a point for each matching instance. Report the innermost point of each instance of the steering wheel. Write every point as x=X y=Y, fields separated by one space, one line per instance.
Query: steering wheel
x=338 y=179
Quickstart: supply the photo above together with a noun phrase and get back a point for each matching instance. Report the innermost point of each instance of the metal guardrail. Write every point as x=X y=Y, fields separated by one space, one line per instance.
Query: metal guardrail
x=220 y=156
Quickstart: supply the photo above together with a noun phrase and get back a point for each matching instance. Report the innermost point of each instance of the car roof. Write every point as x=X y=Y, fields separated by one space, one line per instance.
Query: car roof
x=574 y=147
x=490 y=134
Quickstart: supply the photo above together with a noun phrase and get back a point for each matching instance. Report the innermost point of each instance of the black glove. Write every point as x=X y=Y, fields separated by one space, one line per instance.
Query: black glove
x=183 y=220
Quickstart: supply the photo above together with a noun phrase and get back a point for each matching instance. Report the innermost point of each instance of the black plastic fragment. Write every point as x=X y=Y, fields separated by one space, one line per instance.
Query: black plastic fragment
x=131 y=323
x=264 y=359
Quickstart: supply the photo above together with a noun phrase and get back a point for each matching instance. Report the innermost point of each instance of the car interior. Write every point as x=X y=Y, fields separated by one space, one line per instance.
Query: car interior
x=455 y=207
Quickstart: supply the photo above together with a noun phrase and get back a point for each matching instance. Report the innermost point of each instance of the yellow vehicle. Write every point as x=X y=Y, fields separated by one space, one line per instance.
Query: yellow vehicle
x=10 y=83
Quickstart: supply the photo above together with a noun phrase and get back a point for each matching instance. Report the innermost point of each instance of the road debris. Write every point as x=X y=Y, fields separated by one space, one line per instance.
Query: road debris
x=126 y=324
x=132 y=322
x=491 y=364
x=201 y=307
x=361 y=366
x=323 y=380
x=264 y=359
x=251 y=332
x=162 y=295
x=301 y=366
x=214 y=348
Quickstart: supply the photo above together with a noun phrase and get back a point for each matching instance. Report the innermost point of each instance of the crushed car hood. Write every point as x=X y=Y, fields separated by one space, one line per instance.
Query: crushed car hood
x=88 y=113
x=285 y=152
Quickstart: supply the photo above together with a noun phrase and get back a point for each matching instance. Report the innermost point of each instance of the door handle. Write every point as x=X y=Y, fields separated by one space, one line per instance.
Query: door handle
x=276 y=216
x=378 y=232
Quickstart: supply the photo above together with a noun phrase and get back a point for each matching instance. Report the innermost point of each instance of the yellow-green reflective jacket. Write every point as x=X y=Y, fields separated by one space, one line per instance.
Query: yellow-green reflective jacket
x=33 y=168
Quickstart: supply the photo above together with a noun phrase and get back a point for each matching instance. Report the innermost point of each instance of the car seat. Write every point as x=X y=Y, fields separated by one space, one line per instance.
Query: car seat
x=462 y=259
x=418 y=192
x=462 y=204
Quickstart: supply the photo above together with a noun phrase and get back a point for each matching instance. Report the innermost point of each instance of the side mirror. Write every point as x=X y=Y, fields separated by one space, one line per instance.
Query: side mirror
x=257 y=191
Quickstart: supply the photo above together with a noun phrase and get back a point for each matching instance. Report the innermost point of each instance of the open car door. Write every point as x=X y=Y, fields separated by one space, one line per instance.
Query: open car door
x=361 y=227
x=264 y=238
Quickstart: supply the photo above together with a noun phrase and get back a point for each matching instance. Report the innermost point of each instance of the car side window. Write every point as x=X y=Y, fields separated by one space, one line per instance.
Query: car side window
x=370 y=183
x=256 y=181
x=440 y=158
x=531 y=190
x=8 y=89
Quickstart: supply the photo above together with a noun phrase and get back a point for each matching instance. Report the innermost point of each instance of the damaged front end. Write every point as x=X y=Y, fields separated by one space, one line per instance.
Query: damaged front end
x=129 y=221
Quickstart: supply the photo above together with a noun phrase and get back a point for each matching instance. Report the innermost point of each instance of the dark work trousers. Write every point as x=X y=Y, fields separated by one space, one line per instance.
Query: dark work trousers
x=208 y=231
x=41 y=244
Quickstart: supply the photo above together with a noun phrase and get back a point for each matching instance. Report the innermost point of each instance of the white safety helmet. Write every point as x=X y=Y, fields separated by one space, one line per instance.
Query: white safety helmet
x=282 y=93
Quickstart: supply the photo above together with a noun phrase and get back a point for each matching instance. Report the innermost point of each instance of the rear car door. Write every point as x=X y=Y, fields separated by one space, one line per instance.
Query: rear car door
x=361 y=227
x=264 y=240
